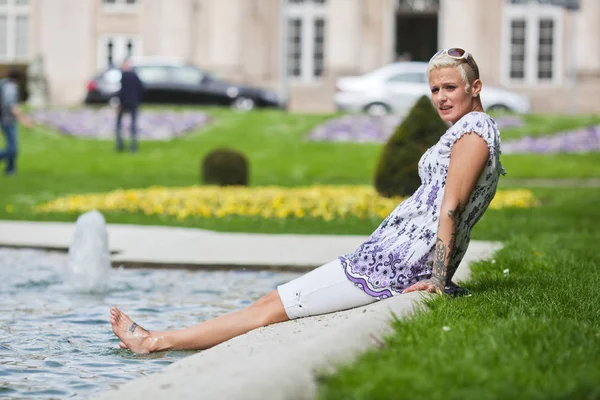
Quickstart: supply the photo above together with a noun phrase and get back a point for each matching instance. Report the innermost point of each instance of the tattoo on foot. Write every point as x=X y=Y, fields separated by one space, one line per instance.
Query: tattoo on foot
x=133 y=326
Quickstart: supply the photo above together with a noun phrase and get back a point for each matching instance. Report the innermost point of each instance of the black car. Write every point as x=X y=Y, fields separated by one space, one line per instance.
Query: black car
x=166 y=83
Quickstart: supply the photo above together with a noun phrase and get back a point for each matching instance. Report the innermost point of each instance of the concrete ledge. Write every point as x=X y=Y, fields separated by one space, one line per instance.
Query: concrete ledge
x=169 y=247
x=276 y=362
x=282 y=361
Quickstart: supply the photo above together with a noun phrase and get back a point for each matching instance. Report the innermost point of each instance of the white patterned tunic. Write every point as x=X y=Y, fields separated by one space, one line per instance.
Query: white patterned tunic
x=400 y=252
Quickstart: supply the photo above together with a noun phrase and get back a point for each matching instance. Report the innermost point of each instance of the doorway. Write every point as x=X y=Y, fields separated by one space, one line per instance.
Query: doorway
x=416 y=36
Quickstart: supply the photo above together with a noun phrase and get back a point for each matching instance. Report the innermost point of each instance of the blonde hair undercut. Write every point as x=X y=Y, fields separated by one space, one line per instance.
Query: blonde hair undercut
x=469 y=71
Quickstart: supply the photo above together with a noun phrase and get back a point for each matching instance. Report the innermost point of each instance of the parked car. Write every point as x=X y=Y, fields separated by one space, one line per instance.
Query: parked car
x=179 y=83
x=394 y=88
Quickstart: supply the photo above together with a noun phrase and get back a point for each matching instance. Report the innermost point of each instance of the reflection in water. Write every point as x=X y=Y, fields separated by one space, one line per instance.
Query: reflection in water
x=56 y=341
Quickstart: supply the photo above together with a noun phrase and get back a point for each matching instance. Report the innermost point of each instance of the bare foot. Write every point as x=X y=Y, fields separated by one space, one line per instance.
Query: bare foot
x=133 y=336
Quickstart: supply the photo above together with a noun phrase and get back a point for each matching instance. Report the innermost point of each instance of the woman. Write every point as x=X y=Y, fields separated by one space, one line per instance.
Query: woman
x=417 y=247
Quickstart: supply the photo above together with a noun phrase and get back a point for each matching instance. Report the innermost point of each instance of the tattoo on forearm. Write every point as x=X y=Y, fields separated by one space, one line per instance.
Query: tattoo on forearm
x=439 y=262
x=444 y=253
x=455 y=217
x=455 y=214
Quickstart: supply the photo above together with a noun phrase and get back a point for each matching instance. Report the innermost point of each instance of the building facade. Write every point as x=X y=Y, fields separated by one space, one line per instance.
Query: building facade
x=300 y=47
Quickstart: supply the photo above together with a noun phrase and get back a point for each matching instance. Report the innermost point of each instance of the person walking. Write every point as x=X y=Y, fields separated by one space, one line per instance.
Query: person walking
x=10 y=114
x=130 y=98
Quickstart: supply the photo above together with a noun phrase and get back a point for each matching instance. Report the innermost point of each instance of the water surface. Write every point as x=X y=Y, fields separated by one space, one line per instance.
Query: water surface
x=56 y=342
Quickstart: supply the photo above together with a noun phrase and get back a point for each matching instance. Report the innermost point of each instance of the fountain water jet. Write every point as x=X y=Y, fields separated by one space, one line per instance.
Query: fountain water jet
x=89 y=257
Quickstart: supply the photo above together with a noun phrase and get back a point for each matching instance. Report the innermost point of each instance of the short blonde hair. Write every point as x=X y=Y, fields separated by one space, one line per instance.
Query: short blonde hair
x=468 y=69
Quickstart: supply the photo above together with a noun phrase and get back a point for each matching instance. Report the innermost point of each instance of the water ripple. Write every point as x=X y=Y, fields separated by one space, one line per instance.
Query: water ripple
x=57 y=342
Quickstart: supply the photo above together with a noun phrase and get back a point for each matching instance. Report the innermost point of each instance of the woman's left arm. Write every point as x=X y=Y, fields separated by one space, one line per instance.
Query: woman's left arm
x=467 y=161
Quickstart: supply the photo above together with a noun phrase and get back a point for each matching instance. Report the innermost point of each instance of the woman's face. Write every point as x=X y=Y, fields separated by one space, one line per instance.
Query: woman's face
x=449 y=96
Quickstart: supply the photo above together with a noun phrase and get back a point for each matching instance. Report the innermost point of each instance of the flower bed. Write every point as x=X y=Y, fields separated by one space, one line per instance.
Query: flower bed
x=509 y=121
x=576 y=141
x=101 y=123
x=367 y=129
x=356 y=128
x=324 y=202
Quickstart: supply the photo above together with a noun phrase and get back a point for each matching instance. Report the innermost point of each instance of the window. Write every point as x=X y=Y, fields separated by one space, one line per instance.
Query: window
x=153 y=74
x=533 y=41
x=112 y=76
x=3 y=35
x=114 y=49
x=408 y=77
x=545 y=49
x=415 y=6
x=14 y=30
x=306 y=27
x=295 y=47
x=120 y=5
x=21 y=36
x=118 y=2
x=517 y=48
x=319 y=47
x=186 y=75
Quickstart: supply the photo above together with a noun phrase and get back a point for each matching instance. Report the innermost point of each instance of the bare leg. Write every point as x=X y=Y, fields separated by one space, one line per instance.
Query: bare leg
x=265 y=311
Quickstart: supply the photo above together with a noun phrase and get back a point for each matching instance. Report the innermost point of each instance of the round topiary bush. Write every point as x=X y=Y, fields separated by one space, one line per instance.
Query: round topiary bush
x=397 y=169
x=225 y=167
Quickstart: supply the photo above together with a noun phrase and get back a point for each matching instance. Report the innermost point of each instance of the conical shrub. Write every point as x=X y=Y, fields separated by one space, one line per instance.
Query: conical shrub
x=225 y=167
x=397 y=169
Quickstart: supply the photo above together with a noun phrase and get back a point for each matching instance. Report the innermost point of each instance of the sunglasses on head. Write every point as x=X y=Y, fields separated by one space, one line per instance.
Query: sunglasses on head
x=453 y=52
x=458 y=54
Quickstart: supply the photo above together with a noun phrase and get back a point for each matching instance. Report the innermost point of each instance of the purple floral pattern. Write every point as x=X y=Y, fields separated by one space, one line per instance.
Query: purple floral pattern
x=400 y=251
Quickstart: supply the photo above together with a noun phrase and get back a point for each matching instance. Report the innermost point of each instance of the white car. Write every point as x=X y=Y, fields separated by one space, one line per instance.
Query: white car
x=394 y=88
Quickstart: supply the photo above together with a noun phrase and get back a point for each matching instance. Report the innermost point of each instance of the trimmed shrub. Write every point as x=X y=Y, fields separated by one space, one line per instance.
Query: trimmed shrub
x=225 y=167
x=397 y=169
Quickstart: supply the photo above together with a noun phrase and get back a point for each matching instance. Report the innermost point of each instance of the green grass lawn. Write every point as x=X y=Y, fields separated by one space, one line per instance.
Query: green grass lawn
x=533 y=333
x=51 y=165
x=552 y=166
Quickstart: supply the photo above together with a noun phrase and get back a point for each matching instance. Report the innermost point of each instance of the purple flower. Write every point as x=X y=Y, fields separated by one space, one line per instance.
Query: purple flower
x=101 y=123
x=509 y=121
x=356 y=128
x=575 y=141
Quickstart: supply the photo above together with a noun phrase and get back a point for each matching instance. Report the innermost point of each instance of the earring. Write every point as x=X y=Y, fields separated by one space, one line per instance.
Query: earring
x=475 y=95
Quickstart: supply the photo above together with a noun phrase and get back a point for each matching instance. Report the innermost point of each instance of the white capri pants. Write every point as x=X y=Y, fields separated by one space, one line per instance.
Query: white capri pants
x=323 y=290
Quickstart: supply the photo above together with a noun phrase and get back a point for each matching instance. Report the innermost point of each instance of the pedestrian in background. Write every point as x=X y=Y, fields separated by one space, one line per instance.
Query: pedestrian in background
x=130 y=98
x=10 y=114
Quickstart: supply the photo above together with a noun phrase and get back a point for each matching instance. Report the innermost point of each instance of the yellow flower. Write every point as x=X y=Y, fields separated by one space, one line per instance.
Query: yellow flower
x=322 y=202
